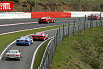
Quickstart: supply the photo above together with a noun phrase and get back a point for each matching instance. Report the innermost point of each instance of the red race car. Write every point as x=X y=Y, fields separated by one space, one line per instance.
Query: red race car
x=46 y=20
x=93 y=17
x=40 y=36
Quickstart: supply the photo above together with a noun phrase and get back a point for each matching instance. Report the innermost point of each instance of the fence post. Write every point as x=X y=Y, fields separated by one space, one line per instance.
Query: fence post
x=63 y=30
x=79 y=19
x=48 y=61
x=100 y=19
x=79 y=26
x=91 y=22
x=74 y=28
x=84 y=22
x=59 y=33
x=69 y=30
x=87 y=25
x=99 y=23
x=57 y=36
x=96 y=23
x=56 y=39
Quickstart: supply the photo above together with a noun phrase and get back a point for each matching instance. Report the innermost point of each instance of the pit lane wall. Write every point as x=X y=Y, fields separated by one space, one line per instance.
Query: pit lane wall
x=31 y=15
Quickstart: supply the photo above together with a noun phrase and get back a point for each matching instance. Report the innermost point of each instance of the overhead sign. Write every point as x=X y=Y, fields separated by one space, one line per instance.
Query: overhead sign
x=6 y=5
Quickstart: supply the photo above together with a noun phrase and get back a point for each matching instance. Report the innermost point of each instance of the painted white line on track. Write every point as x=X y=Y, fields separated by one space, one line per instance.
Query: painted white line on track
x=15 y=40
x=6 y=49
x=25 y=30
x=17 y=24
x=23 y=23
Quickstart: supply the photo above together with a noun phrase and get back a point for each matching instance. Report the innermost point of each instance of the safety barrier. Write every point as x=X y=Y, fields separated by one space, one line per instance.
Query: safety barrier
x=30 y=15
x=50 y=14
x=14 y=15
x=71 y=29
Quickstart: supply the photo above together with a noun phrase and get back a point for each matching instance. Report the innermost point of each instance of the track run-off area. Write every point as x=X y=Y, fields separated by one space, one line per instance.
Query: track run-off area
x=10 y=25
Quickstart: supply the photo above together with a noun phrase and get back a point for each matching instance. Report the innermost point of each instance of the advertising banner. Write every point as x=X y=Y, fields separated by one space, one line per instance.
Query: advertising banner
x=6 y=5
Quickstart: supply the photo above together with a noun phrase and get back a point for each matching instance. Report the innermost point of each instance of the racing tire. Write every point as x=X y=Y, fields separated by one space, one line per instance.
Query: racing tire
x=17 y=44
x=44 y=39
x=29 y=44
x=48 y=22
x=54 y=21
x=31 y=41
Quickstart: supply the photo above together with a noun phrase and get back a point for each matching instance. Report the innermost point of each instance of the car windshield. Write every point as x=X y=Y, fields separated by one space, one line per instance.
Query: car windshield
x=38 y=33
x=12 y=51
x=43 y=17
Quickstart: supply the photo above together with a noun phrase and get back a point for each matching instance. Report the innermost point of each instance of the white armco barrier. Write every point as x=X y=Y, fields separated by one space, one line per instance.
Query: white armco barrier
x=82 y=13
x=14 y=15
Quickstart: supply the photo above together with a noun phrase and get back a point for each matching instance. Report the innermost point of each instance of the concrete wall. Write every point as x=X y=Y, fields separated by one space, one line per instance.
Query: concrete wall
x=14 y=15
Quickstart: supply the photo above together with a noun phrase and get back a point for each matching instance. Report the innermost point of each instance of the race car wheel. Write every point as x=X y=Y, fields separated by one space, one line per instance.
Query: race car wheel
x=19 y=58
x=31 y=41
x=29 y=44
x=17 y=44
x=48 y=21
x=44 y=38
x=54 y=21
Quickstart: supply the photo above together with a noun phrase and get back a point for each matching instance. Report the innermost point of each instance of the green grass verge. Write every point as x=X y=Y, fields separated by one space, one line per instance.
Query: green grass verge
x=39 y=55
x=8 y=38
x=83 y=51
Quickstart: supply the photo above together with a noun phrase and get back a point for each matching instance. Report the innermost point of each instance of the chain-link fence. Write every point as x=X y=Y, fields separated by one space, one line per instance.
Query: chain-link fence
x=73 y=28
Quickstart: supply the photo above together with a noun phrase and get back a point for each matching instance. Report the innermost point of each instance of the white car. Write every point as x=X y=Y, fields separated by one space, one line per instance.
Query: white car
x=13 y=54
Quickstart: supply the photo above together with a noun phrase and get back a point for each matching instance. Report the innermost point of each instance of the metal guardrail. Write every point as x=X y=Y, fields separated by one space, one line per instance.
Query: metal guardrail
x=70 y=30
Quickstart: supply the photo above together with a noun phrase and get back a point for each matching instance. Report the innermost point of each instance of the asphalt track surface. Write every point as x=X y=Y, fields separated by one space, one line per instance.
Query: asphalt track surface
x=27 y=51
x=29 y=24
x=27 y=54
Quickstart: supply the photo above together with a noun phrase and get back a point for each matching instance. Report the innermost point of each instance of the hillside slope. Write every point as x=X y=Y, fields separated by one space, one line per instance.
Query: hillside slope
x=83 y=51
x=58 y=5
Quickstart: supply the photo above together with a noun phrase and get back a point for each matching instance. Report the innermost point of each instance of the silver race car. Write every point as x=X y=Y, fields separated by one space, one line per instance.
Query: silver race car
x=13 y=54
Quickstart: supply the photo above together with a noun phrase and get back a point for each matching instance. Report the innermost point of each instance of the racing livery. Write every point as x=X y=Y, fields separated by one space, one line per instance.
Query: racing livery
x=46 y=20
x=93 y=17
x=40 y=36
x=13 y=54
x=24 y=41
